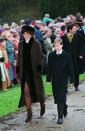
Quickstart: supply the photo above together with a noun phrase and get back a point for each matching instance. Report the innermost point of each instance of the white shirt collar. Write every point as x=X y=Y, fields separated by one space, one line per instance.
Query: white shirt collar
x=27 y=41
x=60 y=52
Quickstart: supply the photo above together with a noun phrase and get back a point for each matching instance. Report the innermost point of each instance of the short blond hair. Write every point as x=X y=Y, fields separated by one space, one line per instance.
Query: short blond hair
x=58 y=40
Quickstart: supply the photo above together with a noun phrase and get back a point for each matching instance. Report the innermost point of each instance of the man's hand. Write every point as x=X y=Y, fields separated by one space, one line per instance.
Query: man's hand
x=71 y=84
x=81 y=57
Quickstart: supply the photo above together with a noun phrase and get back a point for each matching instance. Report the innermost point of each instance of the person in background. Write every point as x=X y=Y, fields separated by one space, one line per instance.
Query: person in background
x=74 y=44
x=46 y=19
x=4 y=76
x=59 y=69
x=29 y=71
x=47 y=42
x=15 y=42
x=10 y=53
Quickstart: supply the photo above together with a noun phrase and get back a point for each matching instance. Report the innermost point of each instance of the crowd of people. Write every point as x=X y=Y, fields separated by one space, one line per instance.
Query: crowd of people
x=25 y=48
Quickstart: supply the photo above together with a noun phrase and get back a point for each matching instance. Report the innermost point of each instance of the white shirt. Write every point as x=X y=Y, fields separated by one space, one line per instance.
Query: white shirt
x=27 y=41
x=60 y=52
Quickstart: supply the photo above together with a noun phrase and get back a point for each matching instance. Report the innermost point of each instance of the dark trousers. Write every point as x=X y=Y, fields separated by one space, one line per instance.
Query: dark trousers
x=60 y=109
x=76 y=83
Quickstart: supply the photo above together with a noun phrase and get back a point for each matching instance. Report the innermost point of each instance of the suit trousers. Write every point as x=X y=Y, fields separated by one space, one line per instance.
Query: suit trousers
x=60 y=109
x=76 y=83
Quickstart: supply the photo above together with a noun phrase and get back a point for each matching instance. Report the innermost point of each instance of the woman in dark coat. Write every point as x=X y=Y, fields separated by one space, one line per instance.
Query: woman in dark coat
x=29 y=70
x=59 y=69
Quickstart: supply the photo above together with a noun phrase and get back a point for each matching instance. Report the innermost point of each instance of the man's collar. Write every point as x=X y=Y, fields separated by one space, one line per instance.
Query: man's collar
x=60 y=52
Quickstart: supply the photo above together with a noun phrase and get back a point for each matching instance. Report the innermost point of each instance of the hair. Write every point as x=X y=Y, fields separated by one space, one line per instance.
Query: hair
x=59 y=40
x=63 y=27
x=70 y=26
x=28 y=29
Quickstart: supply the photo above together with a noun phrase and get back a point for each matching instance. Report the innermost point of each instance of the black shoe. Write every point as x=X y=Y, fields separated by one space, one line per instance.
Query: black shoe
x=65 y=110
x=28 y=119
x=76 y=89
x=60 y=121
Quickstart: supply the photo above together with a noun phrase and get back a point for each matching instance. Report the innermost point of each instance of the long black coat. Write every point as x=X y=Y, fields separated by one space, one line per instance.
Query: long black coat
x=58 y=70
x=34 y=74
x=76 y=49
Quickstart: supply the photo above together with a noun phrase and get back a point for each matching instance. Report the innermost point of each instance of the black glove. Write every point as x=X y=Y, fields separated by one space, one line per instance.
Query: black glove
x=17 y=69
x=2 y=59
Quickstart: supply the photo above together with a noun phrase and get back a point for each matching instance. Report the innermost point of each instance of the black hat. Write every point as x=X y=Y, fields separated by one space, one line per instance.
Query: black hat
x=79 y=21
x=27 y=22
x=28 y=29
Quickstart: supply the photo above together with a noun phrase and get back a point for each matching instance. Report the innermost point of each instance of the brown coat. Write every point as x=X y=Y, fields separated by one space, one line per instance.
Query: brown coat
x=37 y=61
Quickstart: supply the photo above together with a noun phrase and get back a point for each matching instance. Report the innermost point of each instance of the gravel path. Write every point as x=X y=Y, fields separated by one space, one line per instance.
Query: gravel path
x=75 y=120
